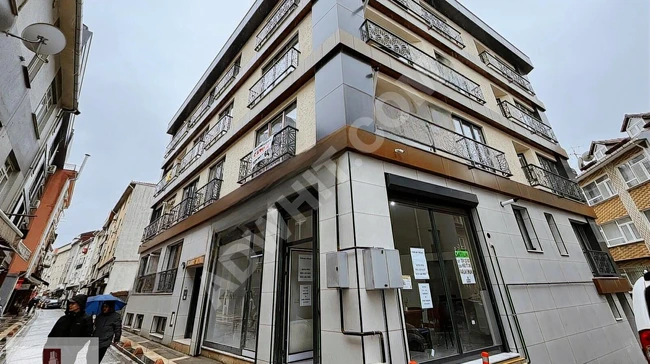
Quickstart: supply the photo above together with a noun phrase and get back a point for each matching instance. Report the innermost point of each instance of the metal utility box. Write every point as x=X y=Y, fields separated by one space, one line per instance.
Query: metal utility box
x=338 y=275
x=382 y=269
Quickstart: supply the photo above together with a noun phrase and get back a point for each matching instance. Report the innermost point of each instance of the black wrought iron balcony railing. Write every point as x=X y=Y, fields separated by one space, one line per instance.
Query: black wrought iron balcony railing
x=203 y=197
x=166 y=179
x=192 y=155
x=274 y=22
x=217 y=131
x=166 y=281
x=393 y=120
x=601 y=263
x=273 y=76
x=559 y=185
x=506 y=71
x=145 y=283
x=433 y=21
x=405 y=52
x=523 y=117
x=180 y=134
x=224 y=81
x=259 y=161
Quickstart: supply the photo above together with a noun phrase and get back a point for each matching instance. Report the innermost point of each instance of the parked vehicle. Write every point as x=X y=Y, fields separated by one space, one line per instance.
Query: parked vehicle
x=52 y=303
x=641 y=300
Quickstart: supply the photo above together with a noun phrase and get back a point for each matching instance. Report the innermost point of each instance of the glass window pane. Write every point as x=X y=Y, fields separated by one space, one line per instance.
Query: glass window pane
x=591 y=191
x=627 y=174
x=300 y=227
x=640 y=172
x=604 y=191
x=647 y=214
x=612 y=233
x=254 y=294
x=635 y=232
x=291 y=114
x=627 y=233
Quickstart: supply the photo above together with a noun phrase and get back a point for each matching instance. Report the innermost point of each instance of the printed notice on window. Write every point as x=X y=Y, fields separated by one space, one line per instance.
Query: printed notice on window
x=406 y=282
x=465 y=268
x=305 y=295
x=425 y=295
x=304 y=268
x=419 y=260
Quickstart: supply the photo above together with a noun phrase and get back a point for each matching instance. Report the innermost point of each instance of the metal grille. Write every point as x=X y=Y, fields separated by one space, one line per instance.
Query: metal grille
x=393 y=120
x=274 y=22
x=191 y=156
x=225 y=80
x=217 y=131
x=207 y=194
x=166 y=280
x=524 y=118
x=508 y=72
x=283 y=148
x=560 y=186
x=282 y=67
x=601 y=263
x=634 y=273
x=433 y=21
x=144 y=284
x=405 y=52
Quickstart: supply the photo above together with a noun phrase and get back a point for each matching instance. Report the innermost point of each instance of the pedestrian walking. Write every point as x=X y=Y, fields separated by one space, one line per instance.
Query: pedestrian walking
x=108 y=328
x=30 y=305
x=74 y=324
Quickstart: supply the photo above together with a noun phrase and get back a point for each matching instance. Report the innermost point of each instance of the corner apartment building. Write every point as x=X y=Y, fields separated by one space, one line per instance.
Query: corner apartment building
x=327 y=135
x=39 y=104
x=616 y=181
x=116 y=261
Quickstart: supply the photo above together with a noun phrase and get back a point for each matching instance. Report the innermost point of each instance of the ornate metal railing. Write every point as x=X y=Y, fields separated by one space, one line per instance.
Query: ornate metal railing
x=508 y=72
x=524 y=118
x=282 y=148
x=180 y=134
x=192 y=155
x=155 y=227
x=199 y=112
x=393 y=120
x=403 y=51
x=217 y=131
x=224 y=81
x=207 y=194
x=559 y=185
x=433 y=21
x=273 y=76
x=601 y=263
x=181 y=211
x=166 y=179
x=145 y=284
x=278 y=17
x=166 y=281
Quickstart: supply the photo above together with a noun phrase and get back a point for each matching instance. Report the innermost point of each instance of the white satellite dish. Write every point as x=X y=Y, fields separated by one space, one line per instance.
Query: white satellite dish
x=43 y=38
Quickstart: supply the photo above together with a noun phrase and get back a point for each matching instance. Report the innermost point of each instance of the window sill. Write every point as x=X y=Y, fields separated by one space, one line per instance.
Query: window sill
x=153 y=294
x=157 y=336
x=645 y=183
x=605 y=200
x=536 y=251
x=564 y=255
x=626 y=243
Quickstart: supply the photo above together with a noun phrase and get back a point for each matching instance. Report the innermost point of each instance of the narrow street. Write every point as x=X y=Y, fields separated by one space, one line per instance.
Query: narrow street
x=27 y=346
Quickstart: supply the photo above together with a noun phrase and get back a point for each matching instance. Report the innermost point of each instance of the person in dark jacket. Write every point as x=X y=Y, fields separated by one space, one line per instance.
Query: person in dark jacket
x=108 y=328
x=74 y=324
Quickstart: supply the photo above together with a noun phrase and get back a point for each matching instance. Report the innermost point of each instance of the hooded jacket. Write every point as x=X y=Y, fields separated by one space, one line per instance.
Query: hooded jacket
x=74 y=324
x=108 y=328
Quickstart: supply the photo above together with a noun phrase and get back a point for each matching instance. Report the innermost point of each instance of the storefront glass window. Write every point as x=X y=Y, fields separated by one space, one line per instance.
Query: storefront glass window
x=447 y=308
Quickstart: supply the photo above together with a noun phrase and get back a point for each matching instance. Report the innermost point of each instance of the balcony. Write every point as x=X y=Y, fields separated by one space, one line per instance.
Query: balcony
x=282 y=148
x=273 y=76
x=601 y=263
x=168 y=178
x=433 y=21
x=559 y=185
x=217 y=131
x=405 y=52
x=203 y=197
x=393 y=120
x=224 y=81
x=523 y=117
x=166 y=280
x=145 y=284
x=180 y=134
x=280 y=15
x=506 y=71
x=192 y=155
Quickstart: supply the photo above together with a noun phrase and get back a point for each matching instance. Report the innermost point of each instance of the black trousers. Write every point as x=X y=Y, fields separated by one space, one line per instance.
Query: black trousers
x=102 y=352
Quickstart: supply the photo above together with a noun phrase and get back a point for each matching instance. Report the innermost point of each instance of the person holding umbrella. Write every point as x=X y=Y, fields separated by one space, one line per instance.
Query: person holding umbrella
x=108 y=323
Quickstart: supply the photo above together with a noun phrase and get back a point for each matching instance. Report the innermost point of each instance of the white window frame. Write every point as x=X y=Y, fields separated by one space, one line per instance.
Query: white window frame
x=622 y=227
x=636 y=124
x=640 y=164
x=604 y=185
x=600 y=152
x=4 y=177
x=46 y=105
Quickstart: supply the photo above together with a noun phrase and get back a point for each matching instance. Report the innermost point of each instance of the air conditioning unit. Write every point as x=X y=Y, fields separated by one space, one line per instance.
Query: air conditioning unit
x=51 y=169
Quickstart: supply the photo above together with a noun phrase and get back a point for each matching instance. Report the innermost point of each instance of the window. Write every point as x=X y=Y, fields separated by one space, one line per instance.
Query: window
x=620 y=232
x=284 y=119
x=138 y=322
x=548 y=164
x=129 y=320
x=4 y=177
x=216 y=171
x=600 y=152
x=149 y=263
x=34 y=66
x=159 y=324
x=46 y=105
x=293 y=43
x=522 y=159
x=636 y=170
x=527 y=230
x=468 y=129
x=613 y=307
x=561 y=247
x=442 y=59
x=634 y=127
x=227 y=111
x=173 y=256
x=647 y=214
x=599 y=190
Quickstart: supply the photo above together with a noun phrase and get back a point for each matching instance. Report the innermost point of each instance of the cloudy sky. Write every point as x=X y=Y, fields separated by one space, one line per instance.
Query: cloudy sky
x=592 y=62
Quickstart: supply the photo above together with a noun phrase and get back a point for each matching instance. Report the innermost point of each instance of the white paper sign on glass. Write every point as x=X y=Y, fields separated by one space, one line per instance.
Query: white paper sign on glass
x=425 y=295
x=465 y=268
x=262 y=151
x=305 y=295
x=304 y=268
x=407 y=284
x=419 y=260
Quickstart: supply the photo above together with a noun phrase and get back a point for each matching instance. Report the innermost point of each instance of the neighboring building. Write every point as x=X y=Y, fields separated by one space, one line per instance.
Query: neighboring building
x=332 y=127
x=616 y=181
x=39 y=104
x=79 y=269
x=117 y=244
x=56 y=274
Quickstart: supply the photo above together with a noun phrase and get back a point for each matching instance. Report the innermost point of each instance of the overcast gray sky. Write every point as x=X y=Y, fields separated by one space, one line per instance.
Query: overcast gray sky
x=591 y=57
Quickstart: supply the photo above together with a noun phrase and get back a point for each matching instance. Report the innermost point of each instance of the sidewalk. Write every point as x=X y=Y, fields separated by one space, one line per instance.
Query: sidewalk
x=10 y=325
x=145 y=351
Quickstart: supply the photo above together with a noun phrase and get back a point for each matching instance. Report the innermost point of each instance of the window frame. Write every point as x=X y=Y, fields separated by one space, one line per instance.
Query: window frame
x=640 y=164
x=612 y=306
x=557 y=236
x=139 y=320
x=476 y=130
x=267 y=128
x=43 y=111
x=527 y=230
x=177 y=249
x=607 y=183
x=294 y=42
x=128 y=320
x=635 y=123
x=156 y=325
x=628 y=225
x=646 y=213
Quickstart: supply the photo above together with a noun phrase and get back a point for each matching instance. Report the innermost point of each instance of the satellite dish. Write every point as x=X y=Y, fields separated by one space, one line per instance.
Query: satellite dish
x=587 y=157
x=43 y=38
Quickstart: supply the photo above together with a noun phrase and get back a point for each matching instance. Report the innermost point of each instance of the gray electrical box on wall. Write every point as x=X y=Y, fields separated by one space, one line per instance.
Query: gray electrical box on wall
x=382 y=269
x=338 y=275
